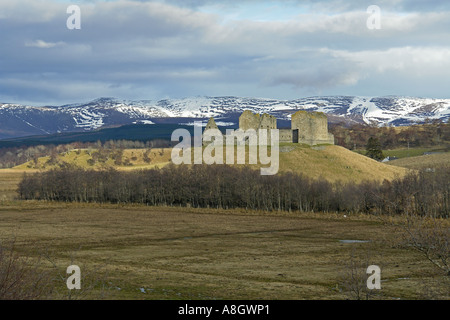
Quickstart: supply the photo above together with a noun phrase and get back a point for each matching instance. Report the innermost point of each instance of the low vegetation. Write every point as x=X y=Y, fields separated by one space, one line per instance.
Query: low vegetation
x=101 y=159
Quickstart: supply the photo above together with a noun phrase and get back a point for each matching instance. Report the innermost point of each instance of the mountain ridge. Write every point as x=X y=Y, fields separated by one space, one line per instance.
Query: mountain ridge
x=21 y=120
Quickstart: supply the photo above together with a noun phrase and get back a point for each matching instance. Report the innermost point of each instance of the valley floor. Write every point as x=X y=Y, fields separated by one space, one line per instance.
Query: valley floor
x=141 y=252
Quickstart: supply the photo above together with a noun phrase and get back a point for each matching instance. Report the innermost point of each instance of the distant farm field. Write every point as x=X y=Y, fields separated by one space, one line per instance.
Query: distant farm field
x=9 y=180
x=431 y=161
x=401 y=153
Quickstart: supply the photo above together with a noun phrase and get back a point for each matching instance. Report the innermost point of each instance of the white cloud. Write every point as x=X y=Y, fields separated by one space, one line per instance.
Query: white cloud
x=43 y=44
x=408 y=59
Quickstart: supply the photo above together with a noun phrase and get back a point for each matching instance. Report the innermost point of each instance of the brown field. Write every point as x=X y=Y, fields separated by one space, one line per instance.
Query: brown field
x=183 y=253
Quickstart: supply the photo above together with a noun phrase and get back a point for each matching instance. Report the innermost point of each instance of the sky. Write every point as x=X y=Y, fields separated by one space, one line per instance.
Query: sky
x=286 y=49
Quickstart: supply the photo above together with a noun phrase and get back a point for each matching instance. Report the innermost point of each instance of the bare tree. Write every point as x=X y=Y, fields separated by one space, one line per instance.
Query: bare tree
x=22 y=278
x=353 y=278
x=428 y=236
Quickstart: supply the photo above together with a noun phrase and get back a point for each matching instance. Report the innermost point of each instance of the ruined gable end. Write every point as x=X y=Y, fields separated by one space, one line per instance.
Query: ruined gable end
x=249 y=120
x=211 y=125
x=268 y=122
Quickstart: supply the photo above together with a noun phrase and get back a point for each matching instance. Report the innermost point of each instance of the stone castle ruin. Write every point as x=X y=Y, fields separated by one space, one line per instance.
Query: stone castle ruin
x=309 y=128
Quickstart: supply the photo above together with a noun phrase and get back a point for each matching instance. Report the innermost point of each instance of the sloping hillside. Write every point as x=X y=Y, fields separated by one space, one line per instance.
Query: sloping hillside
x=335 y=163
x=330 y=162
x=100 y=159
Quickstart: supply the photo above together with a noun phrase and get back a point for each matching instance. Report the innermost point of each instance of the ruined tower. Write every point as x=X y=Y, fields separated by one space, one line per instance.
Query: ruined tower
x=311 y=128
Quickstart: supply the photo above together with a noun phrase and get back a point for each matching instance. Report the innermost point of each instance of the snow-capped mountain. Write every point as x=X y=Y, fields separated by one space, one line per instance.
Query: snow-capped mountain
x=18 y=120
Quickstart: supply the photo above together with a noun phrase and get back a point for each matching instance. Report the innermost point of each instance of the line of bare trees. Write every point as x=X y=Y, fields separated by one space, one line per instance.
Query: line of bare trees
x=221 y=186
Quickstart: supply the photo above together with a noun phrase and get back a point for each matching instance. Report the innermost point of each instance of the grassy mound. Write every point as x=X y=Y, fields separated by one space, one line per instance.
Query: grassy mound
x=335 y=163
x=328 y=161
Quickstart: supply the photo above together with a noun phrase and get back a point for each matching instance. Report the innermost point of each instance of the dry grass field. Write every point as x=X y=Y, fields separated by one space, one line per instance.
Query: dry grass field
x=80 y=157
x=173 y=253
x=141 y=252
x=336 y=163
x=9 y=179
x=431 y=161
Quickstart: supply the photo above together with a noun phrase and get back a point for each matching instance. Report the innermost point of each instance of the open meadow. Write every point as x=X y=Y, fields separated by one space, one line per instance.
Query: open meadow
x=141 y=252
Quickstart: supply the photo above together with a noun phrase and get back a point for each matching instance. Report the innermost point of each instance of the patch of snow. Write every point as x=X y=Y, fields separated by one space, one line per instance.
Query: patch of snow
x=143 y=122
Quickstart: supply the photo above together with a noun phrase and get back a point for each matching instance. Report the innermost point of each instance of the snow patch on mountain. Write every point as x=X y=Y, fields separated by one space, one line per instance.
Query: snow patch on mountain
x=203 y=123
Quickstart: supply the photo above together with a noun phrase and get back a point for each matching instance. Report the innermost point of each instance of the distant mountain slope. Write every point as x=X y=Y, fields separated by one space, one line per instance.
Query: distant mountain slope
x=17 y=120
x=139 y=132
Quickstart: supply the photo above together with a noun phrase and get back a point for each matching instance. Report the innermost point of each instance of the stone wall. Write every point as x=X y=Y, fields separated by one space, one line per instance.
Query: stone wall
x=312 y=128
x=286 y=135
x=249 y=120
x=267 y=122
x=211 y=124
